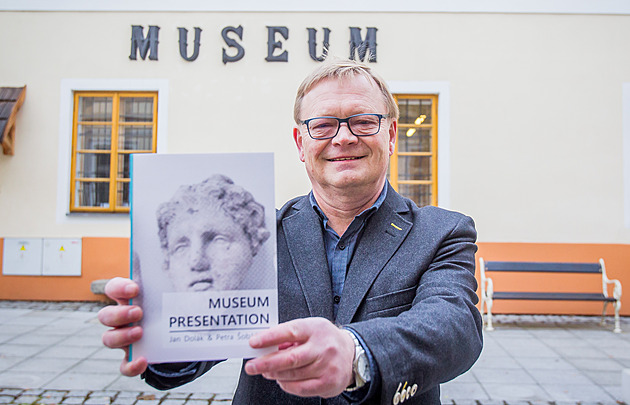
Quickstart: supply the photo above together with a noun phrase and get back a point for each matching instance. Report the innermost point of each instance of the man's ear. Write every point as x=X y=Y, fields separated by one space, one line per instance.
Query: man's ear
x=393 y=133
x=297 y=137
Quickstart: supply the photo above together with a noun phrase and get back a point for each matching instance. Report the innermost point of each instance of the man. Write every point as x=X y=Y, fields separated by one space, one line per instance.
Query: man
x=376 y=296
x=209 y=234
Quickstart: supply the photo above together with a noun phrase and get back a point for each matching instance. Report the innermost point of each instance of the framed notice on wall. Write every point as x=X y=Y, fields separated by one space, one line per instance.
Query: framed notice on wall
x=203 y=251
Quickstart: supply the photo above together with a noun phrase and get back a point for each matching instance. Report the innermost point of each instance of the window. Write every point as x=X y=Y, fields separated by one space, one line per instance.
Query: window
x=107 y=128
x=413 y=166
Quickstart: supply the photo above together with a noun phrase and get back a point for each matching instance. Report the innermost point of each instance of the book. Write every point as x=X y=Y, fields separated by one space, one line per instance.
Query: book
x=203 y=251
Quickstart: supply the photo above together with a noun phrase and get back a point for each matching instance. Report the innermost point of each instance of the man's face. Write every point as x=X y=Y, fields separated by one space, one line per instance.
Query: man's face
x=207 y=251
x=345 y=160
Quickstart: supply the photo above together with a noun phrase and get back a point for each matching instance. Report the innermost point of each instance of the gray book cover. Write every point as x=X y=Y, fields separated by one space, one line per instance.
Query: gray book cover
x=203 y=250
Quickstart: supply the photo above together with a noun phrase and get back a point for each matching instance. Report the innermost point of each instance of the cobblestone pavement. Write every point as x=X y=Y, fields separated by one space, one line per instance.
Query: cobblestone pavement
x=86 y=306
x=55 y=397
x=527 y=360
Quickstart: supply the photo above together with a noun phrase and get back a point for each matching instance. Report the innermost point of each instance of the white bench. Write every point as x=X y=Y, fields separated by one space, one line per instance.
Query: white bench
x=488 y=293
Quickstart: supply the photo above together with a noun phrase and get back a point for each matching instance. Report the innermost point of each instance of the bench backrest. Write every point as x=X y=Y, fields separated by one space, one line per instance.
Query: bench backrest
x=544 y=267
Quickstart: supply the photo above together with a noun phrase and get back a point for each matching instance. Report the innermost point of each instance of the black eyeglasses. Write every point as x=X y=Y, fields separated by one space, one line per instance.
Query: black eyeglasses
x=358 y=124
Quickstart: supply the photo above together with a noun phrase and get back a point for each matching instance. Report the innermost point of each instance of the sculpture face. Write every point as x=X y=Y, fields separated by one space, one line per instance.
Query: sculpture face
x=207 y=250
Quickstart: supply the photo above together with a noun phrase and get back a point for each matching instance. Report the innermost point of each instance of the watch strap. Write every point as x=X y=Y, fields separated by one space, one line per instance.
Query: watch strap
x=358 y=352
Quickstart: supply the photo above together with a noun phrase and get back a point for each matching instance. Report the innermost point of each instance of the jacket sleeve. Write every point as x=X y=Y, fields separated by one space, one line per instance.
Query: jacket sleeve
x=438 y=335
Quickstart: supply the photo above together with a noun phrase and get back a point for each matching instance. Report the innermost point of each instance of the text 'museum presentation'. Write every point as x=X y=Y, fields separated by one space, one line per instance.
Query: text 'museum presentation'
x=203 y=251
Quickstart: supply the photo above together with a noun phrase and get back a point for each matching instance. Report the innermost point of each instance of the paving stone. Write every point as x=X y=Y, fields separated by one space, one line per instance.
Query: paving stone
x=147 y=402
x=108 y=393
x=69 y=352
x=6 y=399
x=33 y=391
x=50 y=400
x=98 y=401
x=73 y=400
x=86 y=306
x=78 y=381
x=78 y=393
x=128 y=394
x=223 y=397
x=11 y=391
x=178 y=395
x=124 y=401
x=202 y=395
x=577 y=392
x=155 y=395
x=563 y=403
x=26 y=399
x=173 y=402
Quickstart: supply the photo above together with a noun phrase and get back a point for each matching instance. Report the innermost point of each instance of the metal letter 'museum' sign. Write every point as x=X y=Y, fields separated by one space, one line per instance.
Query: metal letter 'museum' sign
x=361 y=48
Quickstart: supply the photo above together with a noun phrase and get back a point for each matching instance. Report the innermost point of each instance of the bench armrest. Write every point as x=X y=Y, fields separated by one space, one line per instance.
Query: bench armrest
x=606 y=281
x=487 y=287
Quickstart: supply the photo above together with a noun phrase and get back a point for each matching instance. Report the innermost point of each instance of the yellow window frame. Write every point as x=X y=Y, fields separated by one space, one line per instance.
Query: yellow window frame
x=393 y=165
x=115 y=123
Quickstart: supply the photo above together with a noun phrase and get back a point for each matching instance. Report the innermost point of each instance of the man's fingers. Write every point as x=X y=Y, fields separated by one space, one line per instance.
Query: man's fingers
x=308 y=388
x=293 y=358
x=283 y=334
x=119 y=315
x=307 y=372
x=120 y=338
x=121 y=289
x=133 y=368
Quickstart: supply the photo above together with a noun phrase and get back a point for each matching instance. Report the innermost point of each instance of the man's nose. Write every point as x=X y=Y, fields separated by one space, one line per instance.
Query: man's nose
x=344 y=135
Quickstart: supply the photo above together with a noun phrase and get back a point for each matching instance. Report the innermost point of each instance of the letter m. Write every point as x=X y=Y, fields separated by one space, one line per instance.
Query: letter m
x=142 y=44
x=358 y=45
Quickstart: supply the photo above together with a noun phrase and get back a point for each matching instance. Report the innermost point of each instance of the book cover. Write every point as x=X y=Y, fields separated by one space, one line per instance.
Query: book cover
x=203 y=251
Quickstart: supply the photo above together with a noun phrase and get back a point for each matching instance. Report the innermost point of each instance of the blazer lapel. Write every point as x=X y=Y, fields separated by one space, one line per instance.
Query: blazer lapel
x=303 y=232
x=383 y=234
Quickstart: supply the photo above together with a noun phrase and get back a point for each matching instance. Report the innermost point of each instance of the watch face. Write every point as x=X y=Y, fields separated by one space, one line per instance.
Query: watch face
x=363 y=367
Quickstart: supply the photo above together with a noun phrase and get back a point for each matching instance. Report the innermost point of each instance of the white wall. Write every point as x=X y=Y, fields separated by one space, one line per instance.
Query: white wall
x=535 y=111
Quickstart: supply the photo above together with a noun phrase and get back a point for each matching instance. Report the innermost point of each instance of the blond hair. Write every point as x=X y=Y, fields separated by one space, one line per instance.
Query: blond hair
x=340 y=69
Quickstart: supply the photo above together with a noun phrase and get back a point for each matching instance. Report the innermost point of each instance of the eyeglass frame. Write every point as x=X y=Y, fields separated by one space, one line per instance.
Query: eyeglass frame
x=342 y=120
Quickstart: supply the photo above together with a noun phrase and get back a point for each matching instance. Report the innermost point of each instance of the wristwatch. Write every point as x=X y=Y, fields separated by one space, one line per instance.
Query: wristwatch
x=360 y=365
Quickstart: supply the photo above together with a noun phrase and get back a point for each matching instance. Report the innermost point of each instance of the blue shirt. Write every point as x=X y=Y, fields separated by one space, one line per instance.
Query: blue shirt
x=339 y=252
x=339 y=249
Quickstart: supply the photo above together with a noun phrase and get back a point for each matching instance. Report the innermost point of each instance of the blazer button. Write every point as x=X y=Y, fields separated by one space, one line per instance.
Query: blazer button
x=342 y=247
x=337 y=299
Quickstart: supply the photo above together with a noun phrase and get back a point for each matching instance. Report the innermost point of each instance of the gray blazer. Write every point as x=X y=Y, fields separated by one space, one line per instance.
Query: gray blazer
x=409 y=293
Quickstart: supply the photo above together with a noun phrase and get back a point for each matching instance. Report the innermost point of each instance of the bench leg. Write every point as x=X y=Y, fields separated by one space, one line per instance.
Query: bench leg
x=489 y=326
x=617 y=322
x=603 y=322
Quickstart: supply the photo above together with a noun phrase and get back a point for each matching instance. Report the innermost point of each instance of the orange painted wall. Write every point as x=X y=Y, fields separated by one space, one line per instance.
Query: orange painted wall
x=101 y=258
x=108 y=257
x=616 y=257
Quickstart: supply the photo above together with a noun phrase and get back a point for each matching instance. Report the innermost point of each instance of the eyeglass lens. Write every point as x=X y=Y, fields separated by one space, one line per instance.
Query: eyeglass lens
x=360 y=125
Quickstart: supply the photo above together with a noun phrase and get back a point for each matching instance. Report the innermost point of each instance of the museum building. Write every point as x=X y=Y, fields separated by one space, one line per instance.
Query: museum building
x=515 y=114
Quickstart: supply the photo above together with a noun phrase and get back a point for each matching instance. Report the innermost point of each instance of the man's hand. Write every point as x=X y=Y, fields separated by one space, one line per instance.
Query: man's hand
x=315 y=357
x=119 y=317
